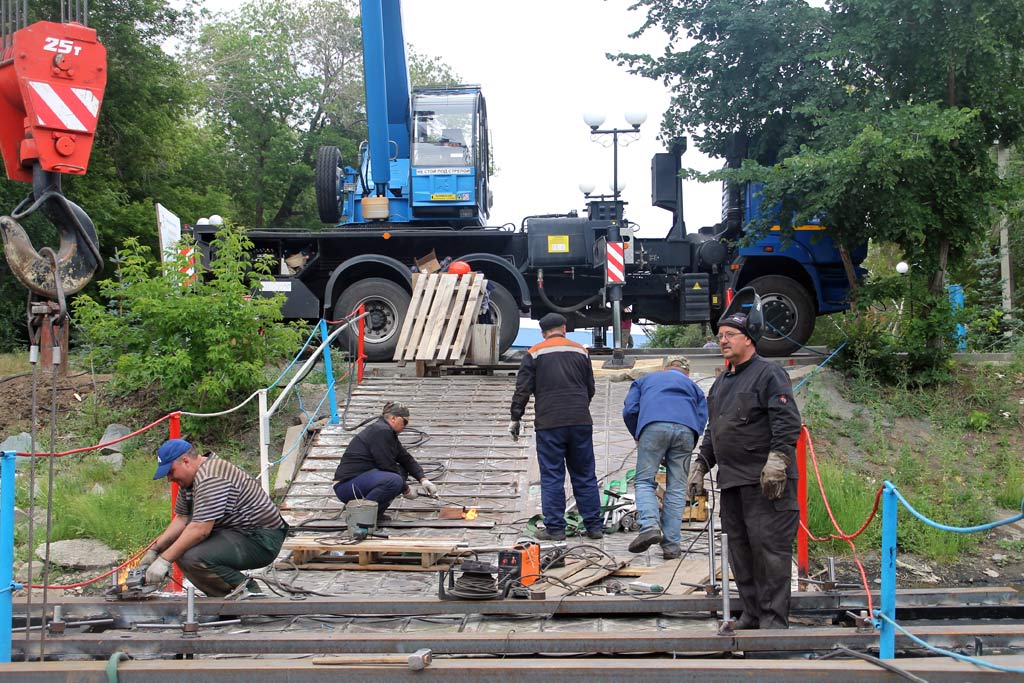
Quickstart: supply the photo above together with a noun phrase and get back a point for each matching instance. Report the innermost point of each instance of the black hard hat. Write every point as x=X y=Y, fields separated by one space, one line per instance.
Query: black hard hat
x=745 y=314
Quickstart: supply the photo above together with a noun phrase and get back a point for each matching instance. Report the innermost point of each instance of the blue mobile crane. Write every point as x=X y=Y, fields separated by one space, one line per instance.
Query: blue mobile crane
x=427 y=156
x=420 y=186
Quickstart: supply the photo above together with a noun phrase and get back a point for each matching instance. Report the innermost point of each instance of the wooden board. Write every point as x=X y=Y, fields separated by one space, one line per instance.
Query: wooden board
x=579 y=574
x=673 y=572
x=371 y=551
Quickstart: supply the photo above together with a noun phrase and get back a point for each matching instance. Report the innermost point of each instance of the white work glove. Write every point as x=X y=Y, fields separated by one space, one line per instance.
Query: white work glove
x=513 y=429
x=149 y=558
x=773 y=476
x=429 y=487
x=158 y=571
x=695 y=482
x=410 y=493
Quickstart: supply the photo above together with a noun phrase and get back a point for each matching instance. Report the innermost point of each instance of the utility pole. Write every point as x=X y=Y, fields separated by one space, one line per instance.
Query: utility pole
x=1005 y=276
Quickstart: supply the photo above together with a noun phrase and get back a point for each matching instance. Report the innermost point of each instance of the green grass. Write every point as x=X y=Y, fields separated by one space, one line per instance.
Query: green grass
x=966 y=464
x=129 y=512
x=14 y=363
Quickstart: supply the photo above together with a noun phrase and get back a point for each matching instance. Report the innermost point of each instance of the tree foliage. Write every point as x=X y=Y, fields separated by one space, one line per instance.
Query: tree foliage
x=877 y=116
x=280 y=80
x=204 y=344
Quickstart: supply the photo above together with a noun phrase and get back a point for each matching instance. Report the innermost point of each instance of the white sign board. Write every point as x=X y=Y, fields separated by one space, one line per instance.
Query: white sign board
x=169 y=228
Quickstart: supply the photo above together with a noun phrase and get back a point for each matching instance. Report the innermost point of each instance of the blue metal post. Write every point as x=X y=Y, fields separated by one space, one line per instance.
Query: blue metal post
x=956 y=302
x=329 y=372
x=886 y=630
x=7 y=463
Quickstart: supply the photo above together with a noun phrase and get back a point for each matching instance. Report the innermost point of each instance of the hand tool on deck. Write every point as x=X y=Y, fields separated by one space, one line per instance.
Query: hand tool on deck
x=417 y=661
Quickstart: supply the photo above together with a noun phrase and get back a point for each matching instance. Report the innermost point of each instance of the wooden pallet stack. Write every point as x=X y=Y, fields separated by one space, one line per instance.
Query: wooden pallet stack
x=441 y=314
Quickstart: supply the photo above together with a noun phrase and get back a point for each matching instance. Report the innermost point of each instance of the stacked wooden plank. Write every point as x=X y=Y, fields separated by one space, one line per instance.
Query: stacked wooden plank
x=335 y=552
x=440 y=316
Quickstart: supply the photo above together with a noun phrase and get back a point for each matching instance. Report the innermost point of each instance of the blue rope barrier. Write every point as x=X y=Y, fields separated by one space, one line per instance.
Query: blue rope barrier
x=330 y=385
x=296 y=359
x=948 y=653
x=956 y=529
x=820 y=365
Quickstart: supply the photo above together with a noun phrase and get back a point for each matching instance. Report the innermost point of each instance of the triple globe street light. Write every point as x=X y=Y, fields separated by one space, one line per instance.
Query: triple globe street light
x=595 y=120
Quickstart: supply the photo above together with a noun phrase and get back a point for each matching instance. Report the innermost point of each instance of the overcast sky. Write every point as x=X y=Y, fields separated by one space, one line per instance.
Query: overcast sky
x=541 y=65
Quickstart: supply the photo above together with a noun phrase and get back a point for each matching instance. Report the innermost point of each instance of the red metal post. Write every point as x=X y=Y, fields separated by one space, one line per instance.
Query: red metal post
x=802 y=562
x=361 y=353
x=175 y=433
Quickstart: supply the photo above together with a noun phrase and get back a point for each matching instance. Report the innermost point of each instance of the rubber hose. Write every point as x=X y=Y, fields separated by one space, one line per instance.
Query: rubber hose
x=112 y=665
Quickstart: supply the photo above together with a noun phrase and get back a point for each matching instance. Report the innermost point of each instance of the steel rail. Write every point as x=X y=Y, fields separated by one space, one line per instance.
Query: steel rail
x=625 y=670
x=802 y=602
x=693 y=640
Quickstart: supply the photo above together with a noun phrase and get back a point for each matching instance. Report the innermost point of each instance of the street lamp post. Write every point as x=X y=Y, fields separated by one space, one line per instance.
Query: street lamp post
x=614 y=237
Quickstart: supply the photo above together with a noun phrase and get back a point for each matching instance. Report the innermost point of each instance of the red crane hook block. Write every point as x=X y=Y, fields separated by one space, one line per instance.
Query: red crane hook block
x=52 y=80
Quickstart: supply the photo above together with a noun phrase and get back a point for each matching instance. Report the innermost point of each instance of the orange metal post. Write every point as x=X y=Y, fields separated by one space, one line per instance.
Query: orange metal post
x=801 y=494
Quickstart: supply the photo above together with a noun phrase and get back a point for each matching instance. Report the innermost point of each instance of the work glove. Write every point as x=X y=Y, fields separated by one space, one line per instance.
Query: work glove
x=410 y=493
x=149 y=558
x=429 y=487
x=513 y=429
x=158 y=571
x=773 y=476
x=695 y=482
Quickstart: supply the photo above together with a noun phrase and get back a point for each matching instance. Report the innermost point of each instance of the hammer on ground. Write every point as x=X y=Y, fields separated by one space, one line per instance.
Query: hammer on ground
x=417 y=661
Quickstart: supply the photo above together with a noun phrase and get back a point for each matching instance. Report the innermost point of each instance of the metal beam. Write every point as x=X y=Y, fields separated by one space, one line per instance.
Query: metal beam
x=932 y=669
x=695 y=640
x=836 y=602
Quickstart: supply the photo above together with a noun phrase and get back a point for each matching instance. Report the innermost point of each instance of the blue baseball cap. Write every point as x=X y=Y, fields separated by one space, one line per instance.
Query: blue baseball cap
x=171 y=450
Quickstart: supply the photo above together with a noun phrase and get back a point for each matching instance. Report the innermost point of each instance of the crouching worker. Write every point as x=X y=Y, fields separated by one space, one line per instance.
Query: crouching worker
x=375 y=465
x=223 y=522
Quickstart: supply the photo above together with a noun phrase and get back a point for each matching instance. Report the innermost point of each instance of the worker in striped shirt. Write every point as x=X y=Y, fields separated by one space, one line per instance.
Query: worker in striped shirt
x=223 y=522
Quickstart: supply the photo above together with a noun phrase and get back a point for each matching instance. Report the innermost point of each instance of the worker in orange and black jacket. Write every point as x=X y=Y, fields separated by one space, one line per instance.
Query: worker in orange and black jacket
x=557 y=372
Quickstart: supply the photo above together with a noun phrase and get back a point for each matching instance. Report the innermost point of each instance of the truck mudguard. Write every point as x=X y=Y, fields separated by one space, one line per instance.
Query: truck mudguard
x=385 y=261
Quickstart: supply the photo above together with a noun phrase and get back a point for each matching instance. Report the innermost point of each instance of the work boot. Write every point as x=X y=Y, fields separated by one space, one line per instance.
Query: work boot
x=671 y=554
x=384 y=518
x=545 y=535
x=644 y=540
x=596 y=534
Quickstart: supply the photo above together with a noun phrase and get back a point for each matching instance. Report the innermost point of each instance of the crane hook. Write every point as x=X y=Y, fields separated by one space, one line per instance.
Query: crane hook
x=78 y=257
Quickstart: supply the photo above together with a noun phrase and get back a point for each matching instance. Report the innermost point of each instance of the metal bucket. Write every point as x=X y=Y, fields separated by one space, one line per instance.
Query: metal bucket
x=360 y=514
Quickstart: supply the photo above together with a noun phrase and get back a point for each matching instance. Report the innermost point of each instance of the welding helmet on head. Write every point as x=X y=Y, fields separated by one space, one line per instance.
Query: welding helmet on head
x=745 y=314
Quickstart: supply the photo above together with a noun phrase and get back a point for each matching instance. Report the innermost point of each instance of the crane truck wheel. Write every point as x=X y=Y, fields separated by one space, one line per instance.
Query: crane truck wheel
x=789 y=314
x=328 y=168
x=506 y=316
x=386 y=303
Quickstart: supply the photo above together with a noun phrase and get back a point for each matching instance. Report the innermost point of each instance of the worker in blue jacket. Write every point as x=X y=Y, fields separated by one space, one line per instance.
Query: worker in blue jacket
x=664 y=411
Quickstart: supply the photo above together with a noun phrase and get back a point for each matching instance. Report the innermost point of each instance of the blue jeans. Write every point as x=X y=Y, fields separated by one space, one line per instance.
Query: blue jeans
x=670 y=444
x=569 y=448
x=377 y=485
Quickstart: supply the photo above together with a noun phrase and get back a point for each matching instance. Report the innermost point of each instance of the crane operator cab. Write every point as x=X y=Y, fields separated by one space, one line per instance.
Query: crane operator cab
x=450 y=156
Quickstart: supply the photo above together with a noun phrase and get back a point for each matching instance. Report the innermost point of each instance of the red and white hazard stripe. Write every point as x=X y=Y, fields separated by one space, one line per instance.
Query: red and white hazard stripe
x=616 y=272
x=189 y=270
x=66 y=107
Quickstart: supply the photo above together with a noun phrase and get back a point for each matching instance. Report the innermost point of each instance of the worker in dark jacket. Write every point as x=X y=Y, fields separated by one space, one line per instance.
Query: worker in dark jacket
x=665 y=412
x=558 y=374
x=752 y=431
x=375 y=465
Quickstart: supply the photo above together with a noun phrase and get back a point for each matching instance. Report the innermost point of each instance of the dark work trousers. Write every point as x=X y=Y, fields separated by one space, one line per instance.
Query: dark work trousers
x=212 y=566
x=376 y=485
x=761 y=534
x=569 y=448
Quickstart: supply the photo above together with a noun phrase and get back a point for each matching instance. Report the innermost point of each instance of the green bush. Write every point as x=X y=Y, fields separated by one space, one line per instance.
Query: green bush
x=897 y=334
x=202 y=345
x=679 y=336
